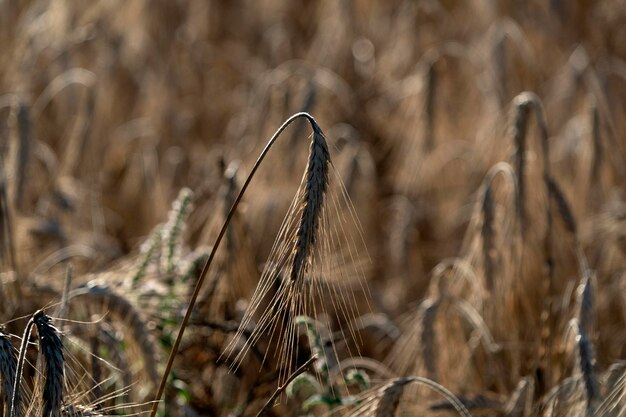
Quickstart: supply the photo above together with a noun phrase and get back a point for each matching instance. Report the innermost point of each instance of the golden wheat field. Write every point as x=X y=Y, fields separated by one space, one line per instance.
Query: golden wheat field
x=313 y=208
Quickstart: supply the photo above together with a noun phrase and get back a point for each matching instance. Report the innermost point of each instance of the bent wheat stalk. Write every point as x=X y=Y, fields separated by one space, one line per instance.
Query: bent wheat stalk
x=317 y=133
x=526 y=102
x=385 y=400
x=16 y=410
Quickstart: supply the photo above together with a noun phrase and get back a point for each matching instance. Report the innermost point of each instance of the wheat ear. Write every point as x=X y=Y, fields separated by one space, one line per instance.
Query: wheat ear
x=218 y=240
x=586 y=363
x=488 y=237
x=524 y=103
x=8 y=366
x=51 y=348
x=312 y=202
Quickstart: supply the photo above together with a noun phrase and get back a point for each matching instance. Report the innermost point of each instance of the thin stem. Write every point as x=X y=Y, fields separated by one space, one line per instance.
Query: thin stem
x=207 y=265
x=20 y=365
x=281 y=388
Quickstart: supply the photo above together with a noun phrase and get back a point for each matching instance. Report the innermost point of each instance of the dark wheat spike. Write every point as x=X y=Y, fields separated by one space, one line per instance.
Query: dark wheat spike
x=586 y=363
x=428 y=338
x=562 y=205
x=524 y=103
x=8 y=365
x=597 y=144
x=316 y=177
x=51 y=348
x=488 y=237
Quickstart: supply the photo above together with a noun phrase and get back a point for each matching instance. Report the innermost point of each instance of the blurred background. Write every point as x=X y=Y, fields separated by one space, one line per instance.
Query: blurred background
x=109 y=108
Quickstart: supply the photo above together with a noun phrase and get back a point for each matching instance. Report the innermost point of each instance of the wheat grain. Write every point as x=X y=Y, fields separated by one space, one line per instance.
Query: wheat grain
x=51 y=348
x=312 y=203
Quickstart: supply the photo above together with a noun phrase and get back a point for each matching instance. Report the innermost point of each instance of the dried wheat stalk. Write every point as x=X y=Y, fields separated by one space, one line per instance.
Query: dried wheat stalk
x=385 y=400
